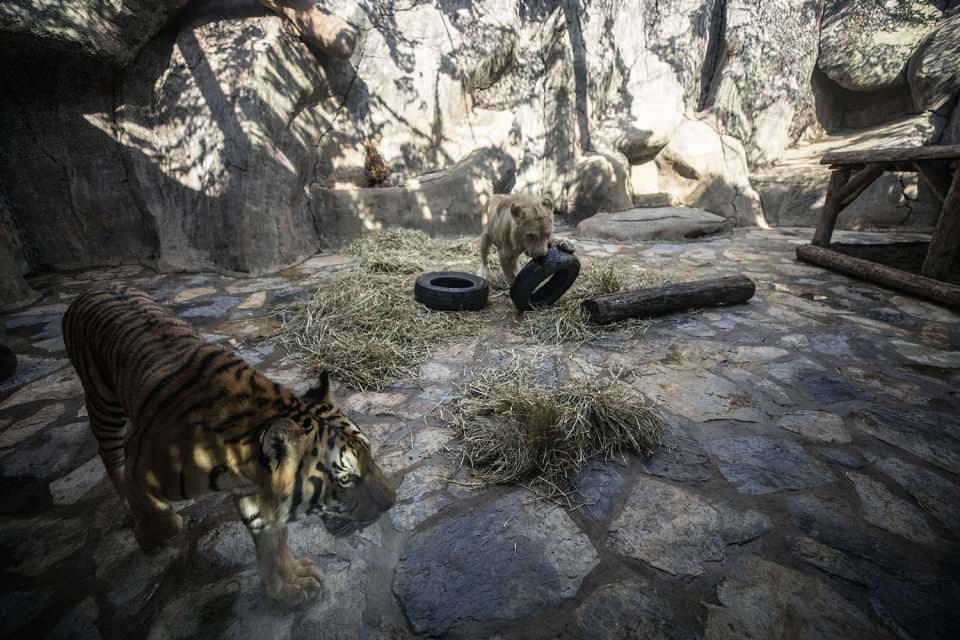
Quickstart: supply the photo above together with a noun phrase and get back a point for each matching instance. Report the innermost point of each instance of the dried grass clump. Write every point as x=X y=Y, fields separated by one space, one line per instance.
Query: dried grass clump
x=365 y=327
x=516 y=431
x=566 y=320
x=404 y=248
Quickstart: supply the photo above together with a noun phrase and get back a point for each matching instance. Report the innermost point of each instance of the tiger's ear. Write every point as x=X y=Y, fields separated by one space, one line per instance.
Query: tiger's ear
x=279 y=442
x=321 y=392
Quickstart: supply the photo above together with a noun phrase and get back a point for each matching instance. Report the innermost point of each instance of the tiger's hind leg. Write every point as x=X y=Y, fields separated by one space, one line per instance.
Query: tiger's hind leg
x=109 y=425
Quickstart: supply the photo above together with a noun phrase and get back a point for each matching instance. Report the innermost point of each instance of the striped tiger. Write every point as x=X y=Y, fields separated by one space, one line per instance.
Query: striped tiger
x=176 y=418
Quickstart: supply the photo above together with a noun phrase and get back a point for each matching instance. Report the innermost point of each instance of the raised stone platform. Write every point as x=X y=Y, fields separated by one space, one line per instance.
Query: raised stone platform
x=660 y=223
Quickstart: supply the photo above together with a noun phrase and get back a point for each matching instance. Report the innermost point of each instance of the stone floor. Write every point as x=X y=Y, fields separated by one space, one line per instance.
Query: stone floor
x=808 y=487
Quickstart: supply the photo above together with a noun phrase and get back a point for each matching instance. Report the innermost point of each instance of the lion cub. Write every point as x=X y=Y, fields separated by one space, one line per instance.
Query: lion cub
x=518 y=224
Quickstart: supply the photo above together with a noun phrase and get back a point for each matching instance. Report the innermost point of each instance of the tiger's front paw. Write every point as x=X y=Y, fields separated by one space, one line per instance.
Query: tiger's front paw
x=297 y=582
x=564 y=245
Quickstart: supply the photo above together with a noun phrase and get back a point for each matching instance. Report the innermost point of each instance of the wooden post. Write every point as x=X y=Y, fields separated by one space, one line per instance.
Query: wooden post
x=859 y=183
x=656 y=301
x=943 y=256
x=936 y=178
x=904 y=281
x=832 y=207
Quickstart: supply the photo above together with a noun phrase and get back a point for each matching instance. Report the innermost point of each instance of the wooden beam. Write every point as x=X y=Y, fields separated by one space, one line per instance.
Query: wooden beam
x=859 y=183
x=831 y=208
x=943 y=256
x=895 y=154
x=926 y=288
x=657 y=301
x=936 y=177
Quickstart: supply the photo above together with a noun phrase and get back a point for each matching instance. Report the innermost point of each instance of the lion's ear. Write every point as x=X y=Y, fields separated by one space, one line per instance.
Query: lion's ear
x=321 y=392
x=516 y=210
x=279 y=442
x=547 y=203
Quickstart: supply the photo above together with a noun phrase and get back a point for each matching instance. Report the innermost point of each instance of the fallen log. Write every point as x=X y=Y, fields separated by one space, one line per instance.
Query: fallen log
x=670 y=298
x=914 y=284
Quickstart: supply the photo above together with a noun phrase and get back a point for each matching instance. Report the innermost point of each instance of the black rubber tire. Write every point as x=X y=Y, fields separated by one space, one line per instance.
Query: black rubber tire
x=8 y=363
x=556 y=271
x=451 y=291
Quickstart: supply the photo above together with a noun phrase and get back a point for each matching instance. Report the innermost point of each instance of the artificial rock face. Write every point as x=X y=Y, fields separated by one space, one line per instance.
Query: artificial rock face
x=865 y=45
x=109 y=31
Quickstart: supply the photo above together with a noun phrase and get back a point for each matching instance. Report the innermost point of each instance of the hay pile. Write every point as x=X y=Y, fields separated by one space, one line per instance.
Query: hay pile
x=566 y=320
x=366 y=328
x=514 y=430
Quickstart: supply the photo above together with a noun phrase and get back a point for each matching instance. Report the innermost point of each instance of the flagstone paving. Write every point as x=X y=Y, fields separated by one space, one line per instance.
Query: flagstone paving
x=807 y=487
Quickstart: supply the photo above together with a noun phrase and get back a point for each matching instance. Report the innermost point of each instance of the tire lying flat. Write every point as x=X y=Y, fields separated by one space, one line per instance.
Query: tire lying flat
x=451 y=291
x=543 y=281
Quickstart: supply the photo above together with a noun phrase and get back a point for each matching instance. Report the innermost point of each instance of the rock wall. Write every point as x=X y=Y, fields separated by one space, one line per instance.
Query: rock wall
x=217 y=136
x=109 y=31
x=14 y=290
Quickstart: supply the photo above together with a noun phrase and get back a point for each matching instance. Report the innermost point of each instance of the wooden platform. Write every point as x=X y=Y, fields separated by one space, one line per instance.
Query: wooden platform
x=852 y=172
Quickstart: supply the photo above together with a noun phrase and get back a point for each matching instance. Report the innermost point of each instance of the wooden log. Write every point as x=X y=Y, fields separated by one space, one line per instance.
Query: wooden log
x=943 y=256
x=831 y=208
x=895 y=154
x=657 y=301
x=859 y=183
x=903 y=281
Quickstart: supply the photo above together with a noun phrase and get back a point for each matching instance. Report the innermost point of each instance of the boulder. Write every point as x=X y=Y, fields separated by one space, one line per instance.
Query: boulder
x=636 y=104
x=317 y=25
x=111 y=31
x=601 y=182
x=707 y=170
x=759 y=87
x=865 y=45
x=934 y=70
x=219 y=125
x=664 y=224
x=452 y=201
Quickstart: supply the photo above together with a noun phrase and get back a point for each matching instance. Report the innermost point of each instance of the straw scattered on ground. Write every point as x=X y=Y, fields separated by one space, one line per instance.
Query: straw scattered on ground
x=514 y=430
x=365 y=327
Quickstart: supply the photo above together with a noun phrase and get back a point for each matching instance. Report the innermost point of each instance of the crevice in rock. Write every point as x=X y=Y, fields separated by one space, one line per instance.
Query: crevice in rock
x=571 y=10
x=716 y=46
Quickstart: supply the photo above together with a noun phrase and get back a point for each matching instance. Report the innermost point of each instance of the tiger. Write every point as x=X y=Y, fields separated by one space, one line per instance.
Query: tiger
x=177 y=418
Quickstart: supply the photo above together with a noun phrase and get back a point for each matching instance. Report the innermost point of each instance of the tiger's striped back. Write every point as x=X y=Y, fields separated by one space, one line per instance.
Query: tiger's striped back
x=150 y=379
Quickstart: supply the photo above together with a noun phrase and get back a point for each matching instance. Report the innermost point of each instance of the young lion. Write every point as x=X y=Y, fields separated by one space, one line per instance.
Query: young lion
x=518 y=224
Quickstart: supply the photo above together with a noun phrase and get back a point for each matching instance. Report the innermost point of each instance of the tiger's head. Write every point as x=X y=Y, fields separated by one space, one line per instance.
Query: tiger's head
x=336 y=476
